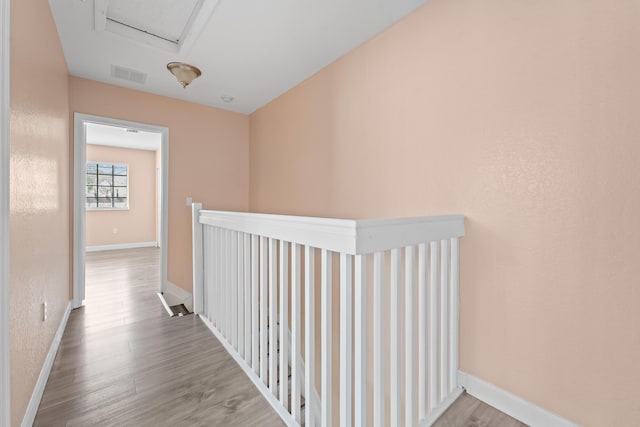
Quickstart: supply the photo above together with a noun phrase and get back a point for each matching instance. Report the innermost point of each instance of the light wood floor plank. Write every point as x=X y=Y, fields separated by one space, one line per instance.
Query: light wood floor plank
x=124 y=362
x=468 y=411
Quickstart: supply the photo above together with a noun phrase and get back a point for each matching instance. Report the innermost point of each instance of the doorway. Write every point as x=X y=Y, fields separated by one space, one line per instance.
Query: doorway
x=85 y=125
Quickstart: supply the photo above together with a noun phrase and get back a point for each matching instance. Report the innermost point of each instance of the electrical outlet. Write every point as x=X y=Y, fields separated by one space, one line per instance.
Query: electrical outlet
x=189 y=201
x=115 y=230
x=45 y=313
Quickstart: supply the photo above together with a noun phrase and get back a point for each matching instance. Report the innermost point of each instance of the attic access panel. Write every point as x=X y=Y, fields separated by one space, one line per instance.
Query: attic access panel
x=167 y=24
x=166 y=19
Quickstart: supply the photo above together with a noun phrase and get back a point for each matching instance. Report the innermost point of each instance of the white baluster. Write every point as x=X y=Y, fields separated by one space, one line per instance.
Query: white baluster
x=212 y=255
x=433 y=326
x=394 y=337
x=214 y=297
x=255 y=326
x=240 y=292
x=233 y=285
x=263 y=310
x=206 y=261
x=326 y=321
x=296 y=324
x=360 y=350
x=379 y=349
x=284 y=324
x=273 y=317
x=224 y=283
x=422 y=331
x=444 y=318
x=453 y=311
x=345 y=339
x=410 y=419
x=247 y=298
x=309 y=330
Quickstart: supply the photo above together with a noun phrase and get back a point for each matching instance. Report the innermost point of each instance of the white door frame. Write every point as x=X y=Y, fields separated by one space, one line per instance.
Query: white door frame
x=159 y=203
x=79 y=183
x=5 y=106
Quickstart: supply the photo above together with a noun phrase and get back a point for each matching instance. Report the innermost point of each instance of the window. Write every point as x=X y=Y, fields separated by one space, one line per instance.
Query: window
x=107 y=186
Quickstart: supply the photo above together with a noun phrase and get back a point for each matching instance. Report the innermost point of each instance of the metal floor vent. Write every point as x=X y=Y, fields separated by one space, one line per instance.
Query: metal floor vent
x=174 y=310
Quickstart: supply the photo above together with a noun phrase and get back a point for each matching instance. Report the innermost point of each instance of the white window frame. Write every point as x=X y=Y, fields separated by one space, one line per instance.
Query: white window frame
x=92 y=208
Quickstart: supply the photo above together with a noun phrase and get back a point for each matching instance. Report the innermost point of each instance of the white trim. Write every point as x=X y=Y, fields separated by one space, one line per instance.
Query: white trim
x=79 y=214
x=354 y=237
x=510 y=404
x=121 y=246
x=5 y=106
x=271 y=398
x=165 y=304
x=79 y=182
x=175 y=295
x=38 y=390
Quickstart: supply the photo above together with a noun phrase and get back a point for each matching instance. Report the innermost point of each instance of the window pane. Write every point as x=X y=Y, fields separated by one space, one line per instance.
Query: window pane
x=120 y=202
x=91 y=190
x=105 y=180
x=105 y=192
x=91 y=202
x=92 y=168
x=120 y=181
x=120 y=170
x=104 y=202
x=105 y=168
x=120 y=192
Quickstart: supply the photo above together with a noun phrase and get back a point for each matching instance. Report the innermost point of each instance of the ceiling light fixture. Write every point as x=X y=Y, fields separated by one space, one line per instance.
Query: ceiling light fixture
x=185 y=73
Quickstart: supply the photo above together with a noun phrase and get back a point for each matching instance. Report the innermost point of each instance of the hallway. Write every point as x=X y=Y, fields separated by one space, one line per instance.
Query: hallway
x=124 y=362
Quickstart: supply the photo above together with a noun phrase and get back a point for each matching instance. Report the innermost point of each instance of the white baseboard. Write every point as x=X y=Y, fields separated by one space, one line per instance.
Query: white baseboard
x=175 y=295
x=122 y=246
x=38 y=390
x=520 y=409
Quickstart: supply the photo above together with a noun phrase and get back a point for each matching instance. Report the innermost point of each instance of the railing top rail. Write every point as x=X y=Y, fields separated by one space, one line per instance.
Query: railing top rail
x=350 y=236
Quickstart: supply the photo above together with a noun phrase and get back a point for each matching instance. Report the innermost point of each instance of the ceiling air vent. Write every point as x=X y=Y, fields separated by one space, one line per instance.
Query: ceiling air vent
x=128 y=74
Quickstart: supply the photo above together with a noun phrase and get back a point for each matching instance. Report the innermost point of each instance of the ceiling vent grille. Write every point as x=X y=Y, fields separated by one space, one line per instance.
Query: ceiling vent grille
x=123 y=73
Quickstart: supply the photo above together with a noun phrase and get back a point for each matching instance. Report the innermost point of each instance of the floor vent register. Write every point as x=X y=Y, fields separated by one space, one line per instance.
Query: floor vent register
x=174 y=310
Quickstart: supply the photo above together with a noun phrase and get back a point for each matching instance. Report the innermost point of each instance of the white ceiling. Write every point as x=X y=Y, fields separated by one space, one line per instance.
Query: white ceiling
x=252 y=50
x=114 y=136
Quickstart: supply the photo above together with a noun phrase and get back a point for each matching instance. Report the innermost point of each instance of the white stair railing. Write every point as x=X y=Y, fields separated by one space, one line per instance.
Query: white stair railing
x=255 y=282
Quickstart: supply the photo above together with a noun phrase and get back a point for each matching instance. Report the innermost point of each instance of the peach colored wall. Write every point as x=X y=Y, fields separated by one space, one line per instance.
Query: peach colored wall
x=39 y=183
x=523 y=117
x=208 y=155
x=138 y=223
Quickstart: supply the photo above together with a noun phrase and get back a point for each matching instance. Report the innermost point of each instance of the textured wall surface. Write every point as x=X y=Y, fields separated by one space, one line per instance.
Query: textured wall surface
x=208 y=156
x=39 y=216
x=523 y=117
x=138 y=223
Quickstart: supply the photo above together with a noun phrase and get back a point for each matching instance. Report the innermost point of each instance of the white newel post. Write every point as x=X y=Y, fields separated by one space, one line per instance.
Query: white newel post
x=198 y=262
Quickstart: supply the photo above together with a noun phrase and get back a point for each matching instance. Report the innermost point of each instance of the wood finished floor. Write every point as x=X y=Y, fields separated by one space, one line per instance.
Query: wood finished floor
x=468 y=411
x=124 y=362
